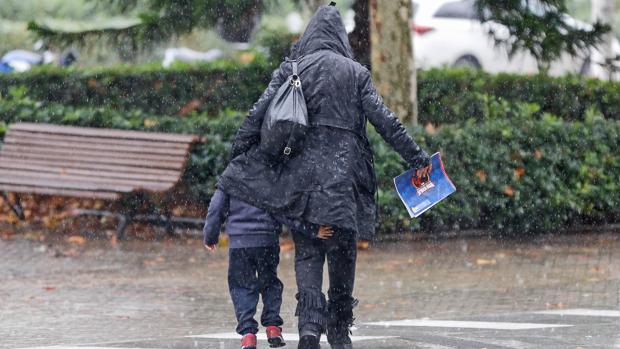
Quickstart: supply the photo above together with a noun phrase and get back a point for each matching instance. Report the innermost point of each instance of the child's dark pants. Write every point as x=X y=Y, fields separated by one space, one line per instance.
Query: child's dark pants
x=252 y=272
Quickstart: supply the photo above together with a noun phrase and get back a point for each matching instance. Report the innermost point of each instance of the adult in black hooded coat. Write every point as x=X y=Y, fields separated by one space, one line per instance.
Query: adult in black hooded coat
x=331 y=182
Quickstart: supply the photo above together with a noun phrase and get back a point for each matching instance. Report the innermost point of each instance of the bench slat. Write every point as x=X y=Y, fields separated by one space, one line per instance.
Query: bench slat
x=149 y=185
x=78 y=152
x=61 y=192
x=77 y=165
x=90 y=162
x=176 y=165
x=12 y=165
x=103 y=132
x=145 y=149
x=96 y=141
x=62 y=184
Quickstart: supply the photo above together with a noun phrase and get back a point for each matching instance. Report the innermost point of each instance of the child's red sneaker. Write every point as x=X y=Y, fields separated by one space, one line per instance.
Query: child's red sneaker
x=248 y=341
x=274 y=337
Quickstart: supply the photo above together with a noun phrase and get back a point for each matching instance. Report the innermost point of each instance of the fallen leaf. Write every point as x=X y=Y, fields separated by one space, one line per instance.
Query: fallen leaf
x=538 y=154
x=430 y=129
x=482 y=176
x=519 y=172
x=150 y=123
x=155 y=261
x=596 y=269
x=113 y=240
x=76 y=239
x=363 y=245
x=49 y=288
x=246 y=57
x=189 y=107
x=483 y=261
x=509 y=191
x=71 y=252
x=224 y=241
x=11 y=219
x=555 y=305
x=392 y=265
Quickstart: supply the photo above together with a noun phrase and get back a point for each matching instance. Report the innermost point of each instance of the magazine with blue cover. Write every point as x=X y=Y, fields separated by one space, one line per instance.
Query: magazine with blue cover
x=417 y=195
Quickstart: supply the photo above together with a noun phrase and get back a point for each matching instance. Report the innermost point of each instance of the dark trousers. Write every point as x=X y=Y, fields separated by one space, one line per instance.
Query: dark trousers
x=310 y=254
x=253 y=272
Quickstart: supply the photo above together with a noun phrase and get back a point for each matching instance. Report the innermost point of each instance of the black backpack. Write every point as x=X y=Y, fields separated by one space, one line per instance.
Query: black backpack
x=286 y=121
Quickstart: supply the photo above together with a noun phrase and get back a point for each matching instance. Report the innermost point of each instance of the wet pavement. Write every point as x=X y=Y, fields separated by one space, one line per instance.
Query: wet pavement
x=546 y=292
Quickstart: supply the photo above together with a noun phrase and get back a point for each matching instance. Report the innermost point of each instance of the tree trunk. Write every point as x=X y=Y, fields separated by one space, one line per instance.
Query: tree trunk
x=236 y=27
x=603 y=11
x=392 y=56
x=360 y=36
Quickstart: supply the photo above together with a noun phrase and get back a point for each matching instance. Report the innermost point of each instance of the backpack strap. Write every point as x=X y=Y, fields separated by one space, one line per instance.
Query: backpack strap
x=295 y=72
x=294 y=63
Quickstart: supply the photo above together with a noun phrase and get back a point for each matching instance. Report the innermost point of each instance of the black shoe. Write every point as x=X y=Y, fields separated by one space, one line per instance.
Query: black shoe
x=309 y=341
x=338 y=337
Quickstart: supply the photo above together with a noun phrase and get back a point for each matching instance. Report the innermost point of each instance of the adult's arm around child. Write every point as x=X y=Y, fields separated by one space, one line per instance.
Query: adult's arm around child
x=305 y=228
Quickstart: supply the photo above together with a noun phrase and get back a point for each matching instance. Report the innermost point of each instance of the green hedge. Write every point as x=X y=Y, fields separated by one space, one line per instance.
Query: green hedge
x=214 y=86
x=445 y=96
x=453 y=95
x=517 y=175
x=526 y=173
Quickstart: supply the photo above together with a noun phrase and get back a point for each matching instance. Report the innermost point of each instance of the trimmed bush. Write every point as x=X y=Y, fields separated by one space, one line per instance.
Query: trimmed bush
x=210 y=87
x=517 y=175
x=522 y=174
x=445 y=96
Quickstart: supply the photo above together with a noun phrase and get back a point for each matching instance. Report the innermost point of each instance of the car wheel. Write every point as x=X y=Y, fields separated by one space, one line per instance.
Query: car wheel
x=467 y=61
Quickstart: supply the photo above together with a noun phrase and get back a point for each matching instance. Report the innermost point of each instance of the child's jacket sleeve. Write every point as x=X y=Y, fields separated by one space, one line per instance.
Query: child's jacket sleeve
x=216 y=216
x=305 y=228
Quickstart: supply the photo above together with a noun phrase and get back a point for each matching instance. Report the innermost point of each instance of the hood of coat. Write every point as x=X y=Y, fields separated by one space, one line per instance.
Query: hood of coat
x=324 y=32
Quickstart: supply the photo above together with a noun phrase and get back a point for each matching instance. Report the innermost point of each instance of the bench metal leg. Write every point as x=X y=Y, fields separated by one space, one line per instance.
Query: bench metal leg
x=169 y=226
x=124 y=219
x=123 y=222
x=163 y=220
x=15 y=207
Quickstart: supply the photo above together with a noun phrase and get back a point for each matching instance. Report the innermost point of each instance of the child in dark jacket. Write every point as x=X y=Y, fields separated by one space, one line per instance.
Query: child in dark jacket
x=254 y=255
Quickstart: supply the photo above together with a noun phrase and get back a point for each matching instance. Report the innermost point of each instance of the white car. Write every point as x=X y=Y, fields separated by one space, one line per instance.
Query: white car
x=449 y=33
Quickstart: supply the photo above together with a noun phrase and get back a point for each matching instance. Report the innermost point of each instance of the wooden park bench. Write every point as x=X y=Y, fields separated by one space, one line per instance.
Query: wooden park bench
x=90 y=163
